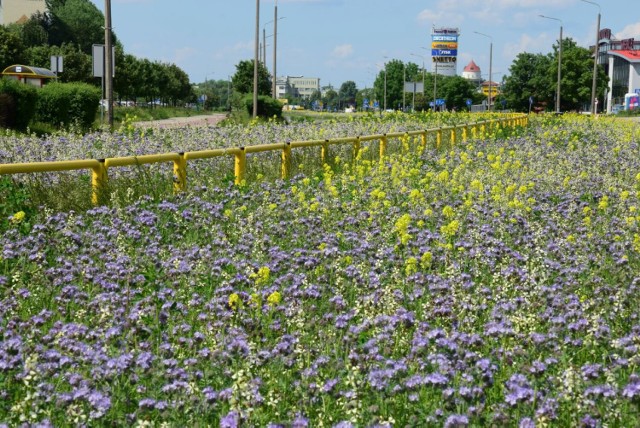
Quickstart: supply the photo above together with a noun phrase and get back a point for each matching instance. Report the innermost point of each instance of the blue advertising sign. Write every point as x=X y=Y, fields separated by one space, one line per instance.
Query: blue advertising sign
x=444 y=52
x=468 y=102
x=440 y=101
x=444 y=38
x=365 y=103
x=376 y=104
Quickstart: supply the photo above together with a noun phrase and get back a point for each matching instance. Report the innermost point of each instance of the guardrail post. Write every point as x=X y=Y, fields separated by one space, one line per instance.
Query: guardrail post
x=438 y=138
x=356 y=148
x=383 y=145
x=453 y=136
x=98 y=182
x=423 y=140
x=324 y=152
x=465 y=132
x=180 y=173
x=240 y=165
x=286 y=161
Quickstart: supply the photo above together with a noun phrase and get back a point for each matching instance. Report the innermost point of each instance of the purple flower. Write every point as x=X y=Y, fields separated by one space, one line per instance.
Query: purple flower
x=456 y=421
x=230 y=420
x=527 y=423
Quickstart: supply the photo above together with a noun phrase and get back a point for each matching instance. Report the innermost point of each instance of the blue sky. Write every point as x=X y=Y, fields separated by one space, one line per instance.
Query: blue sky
x=340 y=40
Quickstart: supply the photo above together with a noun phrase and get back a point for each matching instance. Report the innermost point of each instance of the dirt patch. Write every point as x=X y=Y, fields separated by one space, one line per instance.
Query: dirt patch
x=180 y=122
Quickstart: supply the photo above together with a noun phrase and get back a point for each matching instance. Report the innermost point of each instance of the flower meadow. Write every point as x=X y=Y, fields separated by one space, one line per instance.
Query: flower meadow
x=493 y=283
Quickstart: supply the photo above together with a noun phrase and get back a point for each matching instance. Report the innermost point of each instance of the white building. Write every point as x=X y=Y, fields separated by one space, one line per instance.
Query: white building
x=297 y=86
x=472 y=72
x=19 y=10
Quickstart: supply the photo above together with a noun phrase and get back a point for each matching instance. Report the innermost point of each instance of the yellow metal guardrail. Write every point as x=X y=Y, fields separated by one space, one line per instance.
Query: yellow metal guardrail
x=99 y=167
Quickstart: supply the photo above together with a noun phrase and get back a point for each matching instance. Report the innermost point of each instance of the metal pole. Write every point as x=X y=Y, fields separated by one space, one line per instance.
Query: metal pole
x=264 y=47
x=255 y=61
x=596 y=51
x=275 y=42
x=559 y=62
x=490 y=74
x=385 y=86
x=435 y=86
x=404 y=93
x=594 y=104
x=108 y=62
x=559 y=72
x=490 y=66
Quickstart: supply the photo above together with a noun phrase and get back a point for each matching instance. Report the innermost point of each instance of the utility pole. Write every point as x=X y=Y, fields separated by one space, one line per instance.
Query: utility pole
x=108 y=62
x=275 y=43
x=256 y=59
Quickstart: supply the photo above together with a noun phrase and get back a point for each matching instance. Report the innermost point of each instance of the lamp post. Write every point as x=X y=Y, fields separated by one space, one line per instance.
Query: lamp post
x=435 y=82
x=385 y=84
x=275 y=42
x=490 y=66
x=255 y=61
x=108 y=62
x=423 y=75
x=559 y=62
x=594 y=104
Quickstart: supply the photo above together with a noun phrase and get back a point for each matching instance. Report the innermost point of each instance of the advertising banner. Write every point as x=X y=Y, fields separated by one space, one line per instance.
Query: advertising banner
x=444 y=38
x=444 y=52
x=444 y=45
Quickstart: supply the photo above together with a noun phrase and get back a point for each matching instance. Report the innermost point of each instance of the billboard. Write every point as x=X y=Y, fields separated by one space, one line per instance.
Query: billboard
x=444 y=50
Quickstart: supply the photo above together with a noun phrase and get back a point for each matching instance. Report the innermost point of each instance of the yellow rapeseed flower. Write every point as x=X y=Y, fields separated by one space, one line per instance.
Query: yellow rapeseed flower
x=18 y=217
x=235 y=302
x=274 y=298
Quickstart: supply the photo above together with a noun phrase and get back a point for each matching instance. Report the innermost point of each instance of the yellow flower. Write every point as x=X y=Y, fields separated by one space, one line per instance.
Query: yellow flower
x=411 y=266
x=447 y=211
x=18 y=217
x=274 y=298
x=235 y=302
x=425 y=260
x=255 y=299
x=261 y=276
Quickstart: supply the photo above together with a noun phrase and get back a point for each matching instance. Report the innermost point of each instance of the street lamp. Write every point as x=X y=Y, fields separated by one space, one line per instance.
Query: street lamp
x=275 y=44
x=435 y=83
x=423 y=71
x=255 y=61
x=559 y=62
x=385 y=84
x=594 y=109
x=490 y=66
x=108 y=62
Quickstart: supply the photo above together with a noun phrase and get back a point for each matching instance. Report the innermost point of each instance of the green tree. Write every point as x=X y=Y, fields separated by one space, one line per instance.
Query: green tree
x=331 y=100
x=11 y=48
x=78 y=22
x=392 y=74
x=456 y=90
x=243 y=78
x=529 y=78
x=577 y=76
x=347 y=93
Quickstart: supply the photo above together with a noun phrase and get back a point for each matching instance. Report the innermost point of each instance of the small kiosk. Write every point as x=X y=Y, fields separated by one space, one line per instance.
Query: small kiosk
x=26 y=74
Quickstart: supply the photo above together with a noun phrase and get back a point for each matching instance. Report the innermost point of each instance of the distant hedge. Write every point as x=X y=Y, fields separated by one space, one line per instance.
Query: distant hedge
x=17 y=104
x=267 y=106
x=64 y=104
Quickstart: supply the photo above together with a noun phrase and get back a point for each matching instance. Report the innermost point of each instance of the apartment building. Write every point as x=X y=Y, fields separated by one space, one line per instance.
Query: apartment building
x=19 y=10
x=297 y=86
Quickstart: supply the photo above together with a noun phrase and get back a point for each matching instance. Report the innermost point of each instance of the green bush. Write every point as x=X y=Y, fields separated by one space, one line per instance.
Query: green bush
x=64 y=104
x=17 y=104
x=267 y=106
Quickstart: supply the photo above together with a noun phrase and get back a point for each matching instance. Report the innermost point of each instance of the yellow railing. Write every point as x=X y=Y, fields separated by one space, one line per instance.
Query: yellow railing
x=99 y=167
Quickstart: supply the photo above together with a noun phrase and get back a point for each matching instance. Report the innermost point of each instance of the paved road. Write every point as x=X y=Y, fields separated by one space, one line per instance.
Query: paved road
x=179 y=122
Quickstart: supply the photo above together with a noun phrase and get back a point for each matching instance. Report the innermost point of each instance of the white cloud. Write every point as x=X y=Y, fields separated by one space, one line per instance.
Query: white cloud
x=342 y=51
x=183 y=54
x=527 y=43
x=631 y=30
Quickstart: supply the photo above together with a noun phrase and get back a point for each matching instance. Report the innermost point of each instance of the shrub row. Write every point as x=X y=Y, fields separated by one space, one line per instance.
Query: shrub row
x=57 y=104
